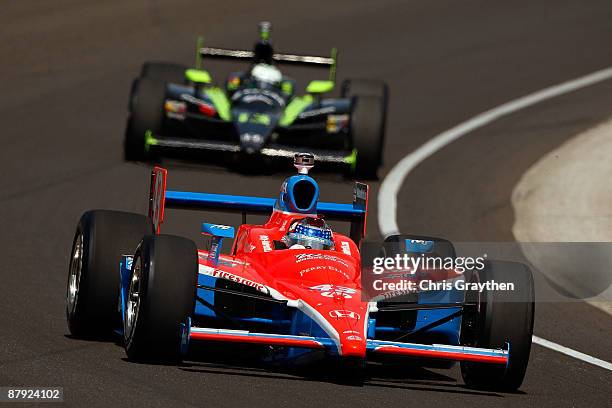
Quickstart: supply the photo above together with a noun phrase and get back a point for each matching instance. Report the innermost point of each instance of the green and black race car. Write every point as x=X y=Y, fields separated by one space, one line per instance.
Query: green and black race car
x=174 y=110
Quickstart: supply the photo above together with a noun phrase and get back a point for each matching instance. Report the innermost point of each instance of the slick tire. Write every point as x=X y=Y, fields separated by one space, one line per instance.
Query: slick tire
x=164 y=71
x=367 y=124
x=368 y=87
x=147 y=116
x=364 y=87
x=93 y=276
x=502 y=317
x=161 y=297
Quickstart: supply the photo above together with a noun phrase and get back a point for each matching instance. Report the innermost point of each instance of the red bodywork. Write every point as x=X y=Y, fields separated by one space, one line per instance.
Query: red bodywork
x=328 y=281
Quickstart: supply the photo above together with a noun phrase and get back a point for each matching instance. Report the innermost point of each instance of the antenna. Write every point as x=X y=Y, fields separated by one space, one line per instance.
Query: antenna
x=265 y=28
x=303 y=162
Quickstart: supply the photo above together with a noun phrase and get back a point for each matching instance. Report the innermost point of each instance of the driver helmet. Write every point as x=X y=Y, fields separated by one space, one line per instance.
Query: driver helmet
x=266 y=73
x=309 y=233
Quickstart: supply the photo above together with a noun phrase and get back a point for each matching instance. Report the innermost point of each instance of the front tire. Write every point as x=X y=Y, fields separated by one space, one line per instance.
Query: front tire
x=501 y=317
x=161 y=296
x=93 y=277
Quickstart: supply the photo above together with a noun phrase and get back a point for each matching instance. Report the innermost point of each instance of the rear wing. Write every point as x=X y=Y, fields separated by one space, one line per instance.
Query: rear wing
x=225 y=53
x=160 y=198
x=293 y=59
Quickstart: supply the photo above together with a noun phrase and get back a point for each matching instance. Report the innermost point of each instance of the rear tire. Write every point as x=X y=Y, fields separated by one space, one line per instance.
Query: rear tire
x=503 y=317
x=147 y=115
x=164 y=71
x=367 y=134
x=161 y=297
x=364 y=87
x=368 y=87
x=93 y=277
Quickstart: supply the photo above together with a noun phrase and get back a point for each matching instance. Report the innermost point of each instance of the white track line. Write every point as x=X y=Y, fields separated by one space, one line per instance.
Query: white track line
x=572 y=353
x=390 y=187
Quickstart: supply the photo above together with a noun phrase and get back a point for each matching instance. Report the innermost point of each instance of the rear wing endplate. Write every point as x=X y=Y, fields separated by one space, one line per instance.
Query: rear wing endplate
x=157 y=192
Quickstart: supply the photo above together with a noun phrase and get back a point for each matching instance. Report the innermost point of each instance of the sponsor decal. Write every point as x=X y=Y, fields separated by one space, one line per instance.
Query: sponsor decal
x=223 y=227
x=360 y=192
x=419 y=245
x=196 y=101
x=265 y=243
x=157 y=209
x=310 y=257
x=175 y=109
x=316 y=112
x=251 y=138
x=335 y=123
x=257 y=98
x=339 y=313
x=359 y=338
x=128 y=262
x=392 y=294
x=350 y=331
x=248 y=93
x=324 y=267
x=332 y=290
x=217 y=273
x=346 y=247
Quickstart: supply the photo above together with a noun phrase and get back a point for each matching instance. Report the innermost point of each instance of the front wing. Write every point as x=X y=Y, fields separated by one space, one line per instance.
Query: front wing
x=339 y=157
x=429 y=351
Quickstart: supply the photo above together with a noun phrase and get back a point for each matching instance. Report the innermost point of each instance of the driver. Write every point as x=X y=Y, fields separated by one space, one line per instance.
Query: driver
x=309 y=233
x=266 y=76
x=263 y=74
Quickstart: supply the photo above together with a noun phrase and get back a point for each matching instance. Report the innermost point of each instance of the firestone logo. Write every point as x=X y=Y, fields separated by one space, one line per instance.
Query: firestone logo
x=265 y=243
x=216 y=273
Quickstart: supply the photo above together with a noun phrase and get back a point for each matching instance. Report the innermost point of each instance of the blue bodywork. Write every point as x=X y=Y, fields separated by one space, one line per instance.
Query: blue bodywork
x=262 y=205
x=218 y=232
x=287 y=200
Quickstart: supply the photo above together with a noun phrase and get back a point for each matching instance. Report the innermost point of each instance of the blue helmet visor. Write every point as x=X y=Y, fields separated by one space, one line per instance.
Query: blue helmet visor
x=308 y=241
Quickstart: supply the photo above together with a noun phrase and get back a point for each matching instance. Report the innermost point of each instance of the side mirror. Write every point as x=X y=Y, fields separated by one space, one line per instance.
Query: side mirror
x=217 y=232
x=198 y=76
x=318 y=87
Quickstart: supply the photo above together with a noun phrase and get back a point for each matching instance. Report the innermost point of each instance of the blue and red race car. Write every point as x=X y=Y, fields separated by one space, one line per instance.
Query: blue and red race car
x=292 y=285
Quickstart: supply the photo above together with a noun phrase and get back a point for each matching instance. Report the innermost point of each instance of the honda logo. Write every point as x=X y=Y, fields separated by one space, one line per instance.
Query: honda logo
x=344 y=313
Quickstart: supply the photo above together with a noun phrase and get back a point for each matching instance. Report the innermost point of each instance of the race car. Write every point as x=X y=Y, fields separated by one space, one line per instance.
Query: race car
x=176 y=111
x=293 y=289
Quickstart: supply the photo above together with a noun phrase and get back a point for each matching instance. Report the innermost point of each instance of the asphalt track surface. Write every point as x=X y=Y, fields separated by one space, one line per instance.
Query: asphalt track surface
x=66 y=69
